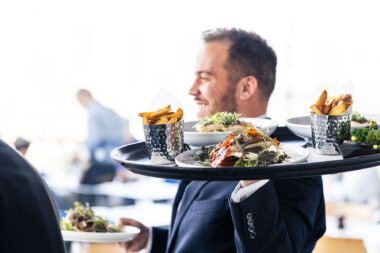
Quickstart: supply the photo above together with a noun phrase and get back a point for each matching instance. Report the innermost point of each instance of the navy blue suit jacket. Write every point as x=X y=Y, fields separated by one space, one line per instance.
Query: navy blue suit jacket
x=282 y=216
x=28 y=215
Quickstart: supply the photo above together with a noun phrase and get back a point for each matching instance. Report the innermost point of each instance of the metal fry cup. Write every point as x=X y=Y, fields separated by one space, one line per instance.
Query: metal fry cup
x=164 y=142
x=327 y=130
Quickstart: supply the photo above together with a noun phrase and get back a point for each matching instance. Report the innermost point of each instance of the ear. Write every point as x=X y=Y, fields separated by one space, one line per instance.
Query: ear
x=247 y=87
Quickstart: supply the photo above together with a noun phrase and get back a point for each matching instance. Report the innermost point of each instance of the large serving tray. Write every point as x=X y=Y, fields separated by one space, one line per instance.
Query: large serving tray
x=135 y=158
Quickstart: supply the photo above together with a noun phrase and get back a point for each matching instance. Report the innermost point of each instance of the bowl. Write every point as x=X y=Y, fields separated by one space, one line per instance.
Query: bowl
x=195 y=138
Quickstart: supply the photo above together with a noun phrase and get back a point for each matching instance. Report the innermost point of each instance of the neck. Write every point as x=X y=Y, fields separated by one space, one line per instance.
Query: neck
x=252 y=109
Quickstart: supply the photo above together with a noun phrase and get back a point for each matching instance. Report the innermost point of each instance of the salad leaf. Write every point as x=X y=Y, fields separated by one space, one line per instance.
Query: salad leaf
x=224 y=118
x=82 y=218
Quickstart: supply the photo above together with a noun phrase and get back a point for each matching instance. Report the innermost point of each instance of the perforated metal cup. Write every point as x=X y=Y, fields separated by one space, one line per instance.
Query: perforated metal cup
x=327 y=130
x=164 y=142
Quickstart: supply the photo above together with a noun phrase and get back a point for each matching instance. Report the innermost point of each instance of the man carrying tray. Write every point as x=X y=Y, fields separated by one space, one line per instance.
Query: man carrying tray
x=236 y=72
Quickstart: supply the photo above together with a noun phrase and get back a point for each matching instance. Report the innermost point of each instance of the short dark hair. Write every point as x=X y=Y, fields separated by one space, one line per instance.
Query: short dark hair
x=21 y=143
x=248 y=54
x=85 y=92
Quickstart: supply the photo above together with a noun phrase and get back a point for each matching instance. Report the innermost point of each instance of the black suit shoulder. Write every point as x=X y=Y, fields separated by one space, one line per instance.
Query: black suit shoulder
x=28 y=215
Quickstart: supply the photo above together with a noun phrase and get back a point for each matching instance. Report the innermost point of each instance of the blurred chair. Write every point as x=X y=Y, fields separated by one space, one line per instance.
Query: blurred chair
x=328 y=244
x=101 y=248
x=339 y=245
x=349 y=210
x=99 y=173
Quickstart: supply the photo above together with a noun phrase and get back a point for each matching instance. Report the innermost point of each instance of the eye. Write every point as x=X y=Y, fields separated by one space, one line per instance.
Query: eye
x=204 y=77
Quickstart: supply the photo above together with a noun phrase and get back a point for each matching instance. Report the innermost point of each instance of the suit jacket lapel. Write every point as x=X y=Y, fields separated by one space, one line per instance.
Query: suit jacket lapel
x=192 y=191
x=181 y=188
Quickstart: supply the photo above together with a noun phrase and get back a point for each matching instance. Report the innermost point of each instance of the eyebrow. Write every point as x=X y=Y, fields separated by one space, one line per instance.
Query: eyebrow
x=204 y=72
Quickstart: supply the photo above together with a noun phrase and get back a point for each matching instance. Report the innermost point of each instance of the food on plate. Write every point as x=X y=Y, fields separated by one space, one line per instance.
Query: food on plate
x=369 y=135
x=161 y=116
x=247 y=148
x=333 y=105
x=222 y=122
x=203 y=155
x=359 y=120
x=82 y=218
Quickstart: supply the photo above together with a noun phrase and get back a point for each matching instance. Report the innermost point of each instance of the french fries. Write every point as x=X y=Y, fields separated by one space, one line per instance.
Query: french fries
x=339 y=109
x=316 y=109
x=333 y=105
x=322 y=99
x=163 y=115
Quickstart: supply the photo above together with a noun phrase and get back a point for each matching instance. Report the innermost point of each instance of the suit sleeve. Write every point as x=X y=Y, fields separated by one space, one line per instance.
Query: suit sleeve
x=284 y=217
x=160 y=238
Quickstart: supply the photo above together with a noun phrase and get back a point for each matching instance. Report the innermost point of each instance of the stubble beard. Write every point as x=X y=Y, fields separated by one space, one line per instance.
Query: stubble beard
x=227 y=102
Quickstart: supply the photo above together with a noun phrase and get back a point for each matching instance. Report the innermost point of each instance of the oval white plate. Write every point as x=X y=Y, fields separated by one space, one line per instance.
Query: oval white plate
x=301 y=125
x=296 y=154
x=128 y=234
x=194 y=138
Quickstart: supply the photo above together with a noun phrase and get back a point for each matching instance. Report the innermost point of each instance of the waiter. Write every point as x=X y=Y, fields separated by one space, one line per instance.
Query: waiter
x=236 y=72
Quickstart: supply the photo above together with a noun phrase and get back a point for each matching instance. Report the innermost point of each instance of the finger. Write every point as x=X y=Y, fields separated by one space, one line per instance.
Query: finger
x=129 y=222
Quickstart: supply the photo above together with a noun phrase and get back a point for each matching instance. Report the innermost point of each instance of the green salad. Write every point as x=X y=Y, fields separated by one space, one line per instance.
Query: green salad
x=222 y=122
x=225 y=119
x=359 y=118
x=82 y=218
x=369 y=135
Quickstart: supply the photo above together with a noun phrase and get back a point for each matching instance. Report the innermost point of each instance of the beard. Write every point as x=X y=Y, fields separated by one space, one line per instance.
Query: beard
x=227 y=102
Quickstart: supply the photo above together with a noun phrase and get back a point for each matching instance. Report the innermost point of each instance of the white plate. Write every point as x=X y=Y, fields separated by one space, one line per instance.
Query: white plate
x=296 y=154
x=194 y=138
x=301 y=125
x=128 y=234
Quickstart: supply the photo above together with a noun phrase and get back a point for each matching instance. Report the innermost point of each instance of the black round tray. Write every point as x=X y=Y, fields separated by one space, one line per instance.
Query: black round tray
x=135 y=158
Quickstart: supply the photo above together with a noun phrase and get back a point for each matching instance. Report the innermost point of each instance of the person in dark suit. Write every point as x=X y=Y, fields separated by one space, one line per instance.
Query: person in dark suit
x=236 y=72
x=28 y=214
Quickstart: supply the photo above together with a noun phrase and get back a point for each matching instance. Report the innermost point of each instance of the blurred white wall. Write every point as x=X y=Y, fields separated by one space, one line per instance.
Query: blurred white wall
x=127 y=52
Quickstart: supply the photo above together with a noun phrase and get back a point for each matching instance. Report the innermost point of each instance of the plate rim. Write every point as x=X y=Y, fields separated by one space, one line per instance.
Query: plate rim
x=208 y=138
x=100 y=237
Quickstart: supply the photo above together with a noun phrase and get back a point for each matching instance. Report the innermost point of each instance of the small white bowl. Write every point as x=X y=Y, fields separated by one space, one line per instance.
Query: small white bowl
x=300 y=126
x=195 y=138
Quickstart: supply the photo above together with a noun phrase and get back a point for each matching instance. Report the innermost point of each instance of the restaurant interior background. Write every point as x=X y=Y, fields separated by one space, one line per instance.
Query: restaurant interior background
x=138 y=55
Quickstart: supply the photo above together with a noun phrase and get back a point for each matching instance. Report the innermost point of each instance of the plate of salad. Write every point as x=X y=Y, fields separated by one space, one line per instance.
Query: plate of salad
x=244 y=148
x=218 y=127
x=82 y=225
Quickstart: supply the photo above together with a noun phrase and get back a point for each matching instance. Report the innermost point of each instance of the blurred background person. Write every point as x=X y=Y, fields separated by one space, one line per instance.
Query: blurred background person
x=105 y=132
x=22 y=145
x=128 y=137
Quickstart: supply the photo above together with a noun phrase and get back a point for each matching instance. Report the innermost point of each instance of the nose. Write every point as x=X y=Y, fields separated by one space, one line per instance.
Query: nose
x=194 y=89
